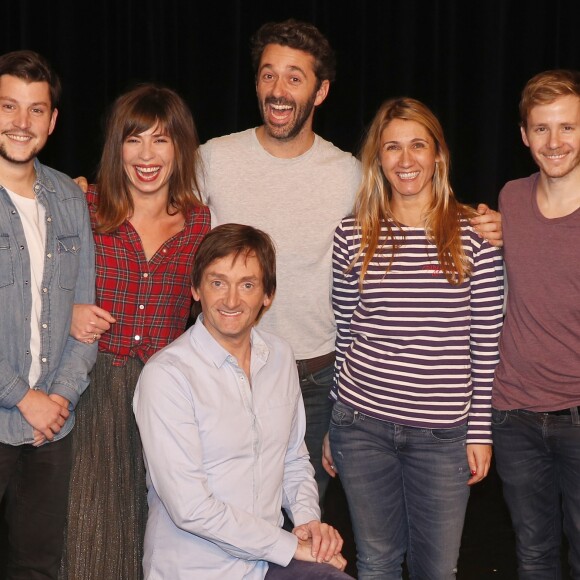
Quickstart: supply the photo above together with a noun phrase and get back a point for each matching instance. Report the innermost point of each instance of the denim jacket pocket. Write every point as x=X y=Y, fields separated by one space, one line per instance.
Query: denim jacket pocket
x=69 y=248
x=6 y=265
x=342 y=415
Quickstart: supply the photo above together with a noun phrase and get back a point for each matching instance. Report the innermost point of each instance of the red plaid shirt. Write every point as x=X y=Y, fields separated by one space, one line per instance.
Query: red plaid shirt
x=151 y=300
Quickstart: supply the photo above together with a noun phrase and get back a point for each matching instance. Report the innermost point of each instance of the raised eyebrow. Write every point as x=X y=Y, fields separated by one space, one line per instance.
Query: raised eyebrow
x=296 y=69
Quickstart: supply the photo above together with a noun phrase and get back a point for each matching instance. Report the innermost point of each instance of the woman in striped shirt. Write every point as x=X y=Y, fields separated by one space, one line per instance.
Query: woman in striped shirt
x=418 y=302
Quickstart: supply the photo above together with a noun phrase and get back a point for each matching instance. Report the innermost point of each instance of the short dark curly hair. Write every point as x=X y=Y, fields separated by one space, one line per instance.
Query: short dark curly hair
x=300 y=36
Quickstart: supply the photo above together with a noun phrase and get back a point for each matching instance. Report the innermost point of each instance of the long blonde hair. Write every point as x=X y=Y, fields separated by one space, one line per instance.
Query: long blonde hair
x=373 y=201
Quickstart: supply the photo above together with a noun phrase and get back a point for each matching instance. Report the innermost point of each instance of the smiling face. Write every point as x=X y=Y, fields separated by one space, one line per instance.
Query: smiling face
x=553 y=136
x=232 y=295
x=288 y=91
x=148 y=160
x=26 y=118
x=408 y=155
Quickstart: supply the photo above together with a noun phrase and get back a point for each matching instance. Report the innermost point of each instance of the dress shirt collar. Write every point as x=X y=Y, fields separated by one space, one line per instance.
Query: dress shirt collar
x=218 y=354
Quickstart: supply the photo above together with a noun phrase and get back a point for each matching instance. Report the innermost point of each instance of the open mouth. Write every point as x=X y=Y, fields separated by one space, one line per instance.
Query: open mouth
x=147 y=173
x=279 y=111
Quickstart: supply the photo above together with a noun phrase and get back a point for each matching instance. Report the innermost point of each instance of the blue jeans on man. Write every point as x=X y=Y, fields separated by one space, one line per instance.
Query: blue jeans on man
x=315 y=389
x=538 y=459
x=407 y=494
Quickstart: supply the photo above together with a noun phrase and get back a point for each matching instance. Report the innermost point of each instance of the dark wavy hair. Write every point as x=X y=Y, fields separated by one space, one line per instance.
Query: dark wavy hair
x=300 y=36
x=145 y=107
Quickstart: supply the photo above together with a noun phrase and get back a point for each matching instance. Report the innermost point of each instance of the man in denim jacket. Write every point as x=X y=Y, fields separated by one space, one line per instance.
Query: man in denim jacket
x=46 y=265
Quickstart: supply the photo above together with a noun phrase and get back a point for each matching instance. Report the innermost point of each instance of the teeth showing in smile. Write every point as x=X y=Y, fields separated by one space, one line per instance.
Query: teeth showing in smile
x=410 y=175
x=20 y=138
x=559 y=156
x=281 y=107
x=148 y=172
x=224 y=313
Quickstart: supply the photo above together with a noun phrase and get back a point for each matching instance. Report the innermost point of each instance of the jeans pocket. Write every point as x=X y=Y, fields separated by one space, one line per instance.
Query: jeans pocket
x=498 y=417
x=342 y=415
x=451 y=435
x=323 y=378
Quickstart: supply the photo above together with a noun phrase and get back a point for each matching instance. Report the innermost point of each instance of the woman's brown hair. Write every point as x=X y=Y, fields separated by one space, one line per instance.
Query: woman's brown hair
x=145 y=107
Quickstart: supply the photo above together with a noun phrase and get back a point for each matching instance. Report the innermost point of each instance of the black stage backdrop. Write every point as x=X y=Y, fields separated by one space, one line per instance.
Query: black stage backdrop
x=468 y=60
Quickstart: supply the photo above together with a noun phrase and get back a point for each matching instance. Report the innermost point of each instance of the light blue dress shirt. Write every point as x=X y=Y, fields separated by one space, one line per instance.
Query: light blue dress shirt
x=222 y=458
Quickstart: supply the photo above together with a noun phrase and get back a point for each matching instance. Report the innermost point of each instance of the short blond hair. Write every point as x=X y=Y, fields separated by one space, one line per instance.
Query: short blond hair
x=545 y=88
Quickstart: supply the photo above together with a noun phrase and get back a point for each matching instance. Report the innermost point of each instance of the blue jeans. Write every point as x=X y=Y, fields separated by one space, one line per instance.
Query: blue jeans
x=407 y=493
x=538 y=460
x=315 y=392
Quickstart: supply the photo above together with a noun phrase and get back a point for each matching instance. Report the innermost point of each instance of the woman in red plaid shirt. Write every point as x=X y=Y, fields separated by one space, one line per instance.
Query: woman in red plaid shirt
x=147 y=224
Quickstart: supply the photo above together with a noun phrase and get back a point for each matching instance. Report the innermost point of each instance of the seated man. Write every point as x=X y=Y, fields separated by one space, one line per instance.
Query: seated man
x=222 y=423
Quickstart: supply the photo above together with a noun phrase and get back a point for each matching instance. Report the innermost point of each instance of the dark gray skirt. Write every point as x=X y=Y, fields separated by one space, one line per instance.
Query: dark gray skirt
x=108 y=499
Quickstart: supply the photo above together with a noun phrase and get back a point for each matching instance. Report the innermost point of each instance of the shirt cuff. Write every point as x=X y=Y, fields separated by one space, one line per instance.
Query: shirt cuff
x=284 y=549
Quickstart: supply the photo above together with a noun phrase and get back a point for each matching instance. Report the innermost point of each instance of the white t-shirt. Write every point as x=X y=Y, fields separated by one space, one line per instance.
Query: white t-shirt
x=32 y=215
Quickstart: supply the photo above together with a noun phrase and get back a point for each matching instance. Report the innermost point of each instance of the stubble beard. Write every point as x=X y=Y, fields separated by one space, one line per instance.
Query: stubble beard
x=559 y=172
x=6 y=155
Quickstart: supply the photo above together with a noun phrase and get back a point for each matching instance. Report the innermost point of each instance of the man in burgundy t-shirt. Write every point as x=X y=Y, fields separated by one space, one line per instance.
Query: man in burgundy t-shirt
x=536 y=397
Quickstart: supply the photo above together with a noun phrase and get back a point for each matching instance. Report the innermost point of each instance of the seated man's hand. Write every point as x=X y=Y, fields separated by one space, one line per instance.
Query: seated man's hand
x=488 y=225
x=304 y=553
x=325 y=540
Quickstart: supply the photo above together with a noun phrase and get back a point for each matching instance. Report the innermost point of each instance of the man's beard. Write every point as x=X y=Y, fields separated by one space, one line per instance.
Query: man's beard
x=288 y=131
x=5 y=155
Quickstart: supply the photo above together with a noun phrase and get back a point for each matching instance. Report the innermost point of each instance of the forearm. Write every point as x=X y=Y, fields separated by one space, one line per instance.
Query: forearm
x=486 y=324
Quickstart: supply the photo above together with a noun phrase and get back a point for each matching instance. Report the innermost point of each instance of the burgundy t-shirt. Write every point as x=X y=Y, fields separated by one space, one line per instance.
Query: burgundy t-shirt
x=539 y=367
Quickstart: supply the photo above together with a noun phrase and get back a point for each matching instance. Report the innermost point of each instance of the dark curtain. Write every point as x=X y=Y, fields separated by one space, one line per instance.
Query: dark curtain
x=467 y=60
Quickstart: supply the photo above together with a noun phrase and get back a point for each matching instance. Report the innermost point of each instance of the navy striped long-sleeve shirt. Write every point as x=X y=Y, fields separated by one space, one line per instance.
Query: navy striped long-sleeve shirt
x=412 y=348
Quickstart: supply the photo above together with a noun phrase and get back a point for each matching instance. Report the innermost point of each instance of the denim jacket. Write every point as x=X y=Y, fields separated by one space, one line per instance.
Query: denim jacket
x=68 y=278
